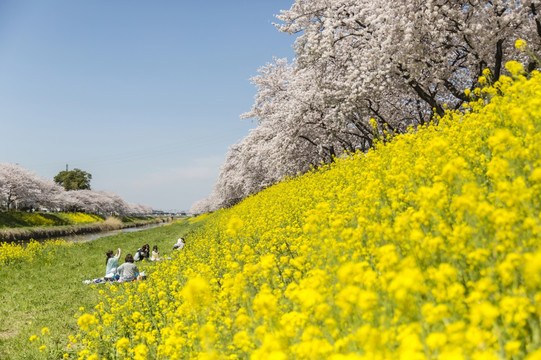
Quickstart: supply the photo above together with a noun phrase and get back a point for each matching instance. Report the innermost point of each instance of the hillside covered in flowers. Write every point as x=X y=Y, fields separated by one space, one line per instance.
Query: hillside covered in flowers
x=425 y=247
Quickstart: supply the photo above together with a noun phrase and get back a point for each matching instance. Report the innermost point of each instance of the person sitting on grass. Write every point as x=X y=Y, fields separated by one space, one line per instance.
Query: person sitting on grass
x=128 y=271
x=142 y=253
x=179 y=245
x=146 y=252
x=111 y=264
x=155 y=254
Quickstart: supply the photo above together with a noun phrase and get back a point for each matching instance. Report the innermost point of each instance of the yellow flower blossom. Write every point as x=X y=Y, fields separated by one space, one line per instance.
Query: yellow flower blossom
x=122 y=344
x=514 y=67
x=85 y=321
x=426 y=247
x=521 y=44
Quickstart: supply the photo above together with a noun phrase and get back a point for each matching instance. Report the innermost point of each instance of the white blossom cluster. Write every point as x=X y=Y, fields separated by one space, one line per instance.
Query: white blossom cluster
x=26 y=190
x=364 y=68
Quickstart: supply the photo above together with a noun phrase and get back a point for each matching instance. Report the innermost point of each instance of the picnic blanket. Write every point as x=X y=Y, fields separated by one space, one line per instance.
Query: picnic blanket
x=104 y=280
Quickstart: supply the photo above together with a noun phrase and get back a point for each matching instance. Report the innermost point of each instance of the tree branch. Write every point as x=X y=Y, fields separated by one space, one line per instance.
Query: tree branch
x=498 y=59
x=537 y=22
x=428 y=98
x=453 y=90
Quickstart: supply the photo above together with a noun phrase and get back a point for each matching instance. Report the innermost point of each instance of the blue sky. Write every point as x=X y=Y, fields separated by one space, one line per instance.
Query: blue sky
x=144 y=95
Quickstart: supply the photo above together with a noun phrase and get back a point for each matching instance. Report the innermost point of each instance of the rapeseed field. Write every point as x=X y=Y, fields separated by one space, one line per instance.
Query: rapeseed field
x=426 y=247
x=13 y=253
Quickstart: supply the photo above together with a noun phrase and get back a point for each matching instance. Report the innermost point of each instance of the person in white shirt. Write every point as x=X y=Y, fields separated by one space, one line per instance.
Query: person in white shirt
x=179 y=245
x=155 y=254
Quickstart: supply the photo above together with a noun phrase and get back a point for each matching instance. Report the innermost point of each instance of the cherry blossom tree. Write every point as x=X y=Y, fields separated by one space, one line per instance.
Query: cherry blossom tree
x=96 y=202
x=291 y=105
x=138 y=209
x=25 y=190
x=18 y=187
x=109 y=203
x=374 y=57
x=51 y=195
x=363 y=69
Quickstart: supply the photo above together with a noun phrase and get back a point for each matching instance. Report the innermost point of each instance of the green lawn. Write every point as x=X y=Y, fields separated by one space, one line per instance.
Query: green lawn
x=48 y=291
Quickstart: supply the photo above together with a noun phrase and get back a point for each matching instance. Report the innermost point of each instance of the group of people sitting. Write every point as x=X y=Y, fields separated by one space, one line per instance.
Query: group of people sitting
x=128 y=271
x=143 y=253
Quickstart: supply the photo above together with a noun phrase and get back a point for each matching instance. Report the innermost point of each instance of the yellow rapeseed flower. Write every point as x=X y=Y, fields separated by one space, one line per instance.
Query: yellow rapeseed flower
x=86 y=321
x=521 y=44
x=425 y=247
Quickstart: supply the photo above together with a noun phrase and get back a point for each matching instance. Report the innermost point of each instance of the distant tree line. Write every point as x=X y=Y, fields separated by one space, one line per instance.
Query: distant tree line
x=364 y=69
x=23 y=189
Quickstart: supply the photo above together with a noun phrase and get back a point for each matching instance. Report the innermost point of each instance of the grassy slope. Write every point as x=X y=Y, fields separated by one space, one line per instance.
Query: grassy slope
x=425 y=248
x=22 y=219
x=47 y=293
x=429 y=246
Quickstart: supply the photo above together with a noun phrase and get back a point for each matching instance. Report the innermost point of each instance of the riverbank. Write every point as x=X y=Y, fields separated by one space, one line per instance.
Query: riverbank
x=41 y=296
x=23 y=219
x=51 y=232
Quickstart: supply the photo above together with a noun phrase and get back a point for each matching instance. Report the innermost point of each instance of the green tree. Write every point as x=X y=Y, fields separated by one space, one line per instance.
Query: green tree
x=75 y=179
